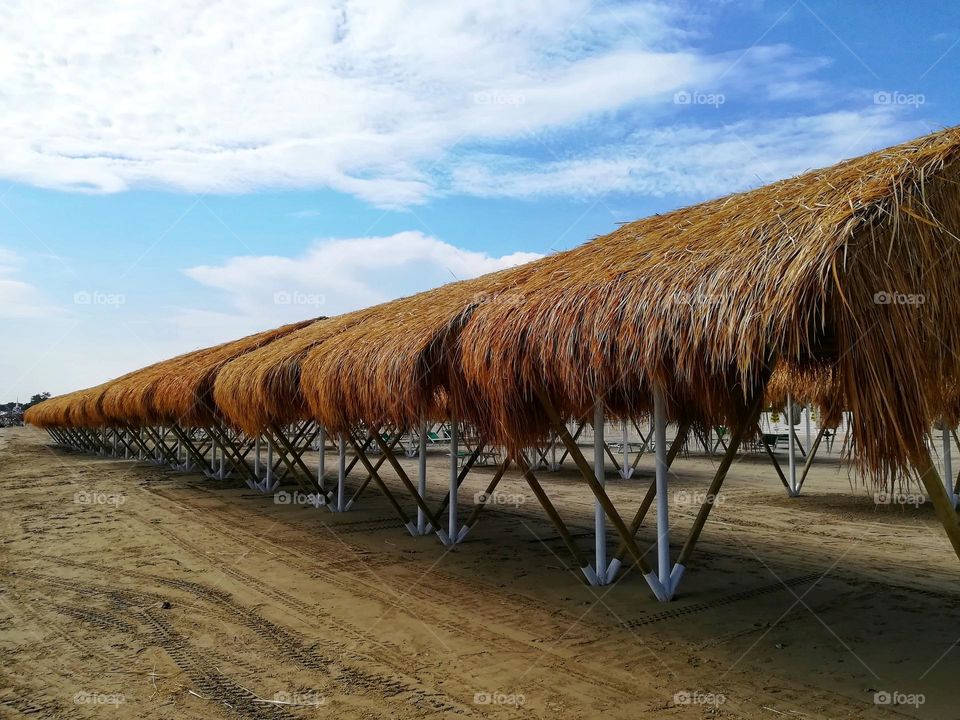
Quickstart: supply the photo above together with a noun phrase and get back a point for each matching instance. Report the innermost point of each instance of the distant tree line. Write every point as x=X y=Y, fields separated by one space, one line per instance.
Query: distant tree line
x=34 y=399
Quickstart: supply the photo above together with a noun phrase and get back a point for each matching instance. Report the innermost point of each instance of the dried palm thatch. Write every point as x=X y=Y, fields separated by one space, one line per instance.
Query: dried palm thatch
x=84 y=409
x=51 y=412
x=813 y=384
x=121 y=401
x=178 y=389
x=392 y=368
x=853 y=266
x=183 y=390
x=262 y=388
x=838 y=282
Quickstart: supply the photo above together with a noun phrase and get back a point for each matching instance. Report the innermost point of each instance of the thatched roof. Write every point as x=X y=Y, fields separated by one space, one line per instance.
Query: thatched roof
x=51 y=412
x=709 y=301
x=183 y=391
x=392 y=367
x=262 y=388
x=174 y=390
x=177 y=389
x=706 y=299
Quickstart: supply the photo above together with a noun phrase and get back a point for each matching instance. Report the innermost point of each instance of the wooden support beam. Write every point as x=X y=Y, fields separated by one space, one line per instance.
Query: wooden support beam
x=773 y=459
x=796 y=440
x=122 y=436
x=461 y=476
x=376 y=466
x=491 y=486
x=307 y=487
x=230 y=452
x=353 y=463
x=643 y=448
x=411 y=527
x=683 y=431
x=192 y=450
x=595 y=486
x=610 y=455
x=296 y=458
x=297 y=439
x=946 y=513
x=719 y=442
x=810 y=458
x=161 y=445
x=584 y=569
x=956 y=485
x=98 y=441
x=576 y=436
x=729 y=456
x=398 y=469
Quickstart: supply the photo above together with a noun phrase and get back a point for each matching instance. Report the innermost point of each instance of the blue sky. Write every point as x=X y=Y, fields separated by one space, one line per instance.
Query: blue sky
x=178 y=174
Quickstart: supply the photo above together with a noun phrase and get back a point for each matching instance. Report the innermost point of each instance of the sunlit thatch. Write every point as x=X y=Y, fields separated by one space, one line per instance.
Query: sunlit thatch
x=840 y=284
x=851 y=266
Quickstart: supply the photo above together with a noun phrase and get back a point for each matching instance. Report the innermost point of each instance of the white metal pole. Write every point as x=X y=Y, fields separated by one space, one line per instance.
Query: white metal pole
x=553 y=450
x=322 y=456
x=599 y=518
x=269 y=478
x=341 y=473
x=213 y=455
x=663 y=500
x=223 y=461
x=792 y=462
x=947 y=462
x=808 y=409
x=422 y=478
x=627 y=471
x=256 y=457
x=454 y=472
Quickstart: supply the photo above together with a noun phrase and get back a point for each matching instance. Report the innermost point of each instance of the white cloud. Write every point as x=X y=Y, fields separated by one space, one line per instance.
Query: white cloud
x=18 y=299
x=337 y=275
x=691 y=160
x=369 y=97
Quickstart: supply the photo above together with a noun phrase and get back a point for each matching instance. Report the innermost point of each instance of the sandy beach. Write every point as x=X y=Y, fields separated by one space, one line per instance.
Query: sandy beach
x=139 y=592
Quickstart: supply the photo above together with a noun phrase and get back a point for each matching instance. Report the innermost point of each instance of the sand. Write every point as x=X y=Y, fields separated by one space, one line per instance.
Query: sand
x=131 y=591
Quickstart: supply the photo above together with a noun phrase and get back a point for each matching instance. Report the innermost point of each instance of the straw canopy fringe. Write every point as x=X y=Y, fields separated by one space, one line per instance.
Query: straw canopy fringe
x=851 y=266
x=184 y=392
x=262 y=388
x=176 y=390
x=838 y=286
x=812 y=384
x=393 y=368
